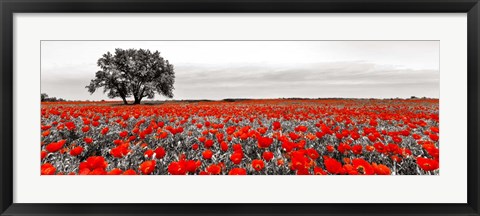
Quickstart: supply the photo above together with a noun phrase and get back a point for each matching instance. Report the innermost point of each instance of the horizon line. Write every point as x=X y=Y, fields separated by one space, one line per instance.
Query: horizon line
x=289 y=98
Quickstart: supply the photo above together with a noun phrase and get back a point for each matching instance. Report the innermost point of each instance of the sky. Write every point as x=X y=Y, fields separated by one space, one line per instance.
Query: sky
x=259 y=69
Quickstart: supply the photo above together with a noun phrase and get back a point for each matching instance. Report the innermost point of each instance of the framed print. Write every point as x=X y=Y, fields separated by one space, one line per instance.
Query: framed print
x=236 y=107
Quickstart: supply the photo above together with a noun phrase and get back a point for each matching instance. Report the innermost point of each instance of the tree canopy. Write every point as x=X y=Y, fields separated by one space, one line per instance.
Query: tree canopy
x=131 y=72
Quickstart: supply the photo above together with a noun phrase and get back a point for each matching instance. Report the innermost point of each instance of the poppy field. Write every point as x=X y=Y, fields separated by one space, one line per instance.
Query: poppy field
x=242 y=137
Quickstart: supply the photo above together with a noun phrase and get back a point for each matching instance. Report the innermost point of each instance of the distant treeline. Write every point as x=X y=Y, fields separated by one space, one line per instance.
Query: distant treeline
x=298 y=98
x=45 y=98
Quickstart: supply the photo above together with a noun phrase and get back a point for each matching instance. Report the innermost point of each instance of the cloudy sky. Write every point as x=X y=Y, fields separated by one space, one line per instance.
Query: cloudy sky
x=259 y=69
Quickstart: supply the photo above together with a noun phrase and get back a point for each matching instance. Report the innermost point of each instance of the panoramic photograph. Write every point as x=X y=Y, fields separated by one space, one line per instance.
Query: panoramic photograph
x=240 y=108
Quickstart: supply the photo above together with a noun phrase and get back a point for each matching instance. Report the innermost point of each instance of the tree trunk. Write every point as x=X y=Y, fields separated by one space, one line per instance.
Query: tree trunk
x=137 y=100
x=124 y=100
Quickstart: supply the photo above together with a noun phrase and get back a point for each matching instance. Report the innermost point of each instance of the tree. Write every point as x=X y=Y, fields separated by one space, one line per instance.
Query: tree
x=131 y=72
x=44 y=96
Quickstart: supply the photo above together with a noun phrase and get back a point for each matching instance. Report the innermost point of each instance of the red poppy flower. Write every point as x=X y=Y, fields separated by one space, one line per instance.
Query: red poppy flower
x=76 y=151
x=60 y=127
x=95 y=123
x=381 y=169
x=88 y=140
x=46 y=127
x=348 y=169
x=319 y=171
x=427 y=164
x=209 y=143
x=84 y=171
x=276 y=125
x=330 y=148
x=357 y=149
x=303 y=171
x=396 y=158
x=147 y=167
x=343 y=148
x=93 y=166
x=416 y=136
x=369 y=148
x=202 y=139
x=123 y=134
x=372 y=138
x=264 y=142
x=48 y=169
x=380 y=147
x=192 y=166
x=159 y=152
x=116 y=171
x=55 y=146
x=160 y=124
x=393 y=148
x=258 y=164
x=301 y=128
x=177 y=168
x=434 y=137
x=195 y=146
x=268 y=156
x=162 y=134
x=236 y=157
x=362 y=167
x=280 y=162
x=332 y=165
x=142 y=135
x=46 y=133
x=129 y=172
x=406 y=151
x=288 y=146
x=120 y=151
x=432 y=150
x=339 y=136
x=43 y=155
x=98 y=171
x=70 y=125
x=301 y=144
x=312 y=153
x=299 y=160
x=237 y=171
x=207 y=154
x=355 y=135
x=105 y=130
x=85 y=128
x=237 y=147
x=293 y=136
x=214 y=169
x=132 y=138
x=148 y=153
x=223 y=146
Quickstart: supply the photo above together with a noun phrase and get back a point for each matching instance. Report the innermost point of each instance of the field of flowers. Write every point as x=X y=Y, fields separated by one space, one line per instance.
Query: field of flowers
x=245 y=137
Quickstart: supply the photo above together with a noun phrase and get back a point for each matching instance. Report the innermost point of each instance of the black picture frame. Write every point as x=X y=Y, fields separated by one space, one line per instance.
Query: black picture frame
x=9 y=7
